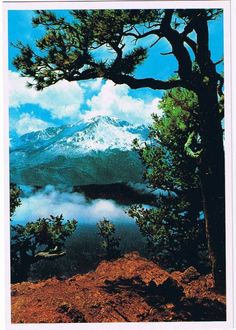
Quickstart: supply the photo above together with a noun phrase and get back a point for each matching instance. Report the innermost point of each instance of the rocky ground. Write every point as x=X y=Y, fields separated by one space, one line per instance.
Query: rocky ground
x=129 y=289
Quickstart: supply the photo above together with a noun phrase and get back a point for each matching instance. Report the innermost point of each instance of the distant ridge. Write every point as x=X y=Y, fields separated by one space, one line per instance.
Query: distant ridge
x=96 y=151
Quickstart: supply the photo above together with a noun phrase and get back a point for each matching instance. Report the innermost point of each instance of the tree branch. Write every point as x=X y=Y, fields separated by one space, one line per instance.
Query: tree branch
x=203 y=55
x=169 y=53
x=178 y=49
x=142 y=35
x=218 y=62
x=192 y=44
x=49 y=255
x=148 y=82
x=155 y=42
x=188 y=149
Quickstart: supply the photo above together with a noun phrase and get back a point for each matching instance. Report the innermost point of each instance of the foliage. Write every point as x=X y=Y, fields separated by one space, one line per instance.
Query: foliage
x=172 y=229
x=14 y=198
x=49 y=232
x=167 y=166
x=173 y=239
x=43 y=238
x=110 y=243
x=67 y=50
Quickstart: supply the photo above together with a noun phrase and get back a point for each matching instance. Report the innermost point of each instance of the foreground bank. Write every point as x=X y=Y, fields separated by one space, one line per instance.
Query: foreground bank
x=129 y=289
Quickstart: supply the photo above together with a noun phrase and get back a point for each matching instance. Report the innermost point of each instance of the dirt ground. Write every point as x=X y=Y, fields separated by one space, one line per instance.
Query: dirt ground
x=129 y=289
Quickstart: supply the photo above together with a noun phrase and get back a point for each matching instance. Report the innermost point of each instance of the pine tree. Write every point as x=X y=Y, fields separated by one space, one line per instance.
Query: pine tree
x=36 y=240
x=110 y=243
x=173 y=229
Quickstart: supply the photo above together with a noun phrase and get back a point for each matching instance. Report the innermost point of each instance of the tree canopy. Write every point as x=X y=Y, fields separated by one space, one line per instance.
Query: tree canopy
x=66 y=51
x=15 y=200
x=167 y=164
x=173 y=228
x=110 y=243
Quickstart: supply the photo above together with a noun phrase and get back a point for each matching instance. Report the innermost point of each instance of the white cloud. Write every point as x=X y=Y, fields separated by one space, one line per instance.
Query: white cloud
x=72 y=205
x=28 y=123
x=92 y=84
x=114 y=100
x=63 y=99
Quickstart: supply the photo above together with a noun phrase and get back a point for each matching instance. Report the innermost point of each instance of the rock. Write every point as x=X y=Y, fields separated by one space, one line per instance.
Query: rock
x=72 y=312
x=63 y=308
x=190 y=274
x=140 y=274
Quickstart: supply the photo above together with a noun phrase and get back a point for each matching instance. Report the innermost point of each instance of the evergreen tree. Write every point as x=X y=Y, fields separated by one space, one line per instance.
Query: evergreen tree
x=36 y=240
x=110 y=243
x=174 y=233
x=14 y=198
x=66 y=51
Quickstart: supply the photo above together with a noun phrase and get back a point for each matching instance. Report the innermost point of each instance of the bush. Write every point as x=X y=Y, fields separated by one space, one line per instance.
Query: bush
x=110 y=243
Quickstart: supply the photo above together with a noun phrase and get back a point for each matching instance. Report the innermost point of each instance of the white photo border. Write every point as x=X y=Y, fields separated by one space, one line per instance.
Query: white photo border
x=230 y=156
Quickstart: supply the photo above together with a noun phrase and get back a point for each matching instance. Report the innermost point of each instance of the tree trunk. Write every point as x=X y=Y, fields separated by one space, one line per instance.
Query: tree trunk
x=195 y=206
x=212 y=176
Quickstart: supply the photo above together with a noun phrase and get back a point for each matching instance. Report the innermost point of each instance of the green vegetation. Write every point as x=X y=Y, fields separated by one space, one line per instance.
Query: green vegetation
x=14 y=198
x=66 y=51
x=41 y=239
x=174 y=233
x=110 y=243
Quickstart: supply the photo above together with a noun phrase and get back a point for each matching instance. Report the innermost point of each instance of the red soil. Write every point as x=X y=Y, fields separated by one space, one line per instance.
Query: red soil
x=129 y=289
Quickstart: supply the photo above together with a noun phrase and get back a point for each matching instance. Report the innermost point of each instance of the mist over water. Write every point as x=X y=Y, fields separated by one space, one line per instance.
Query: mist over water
x=38 y=203
x=83 y=248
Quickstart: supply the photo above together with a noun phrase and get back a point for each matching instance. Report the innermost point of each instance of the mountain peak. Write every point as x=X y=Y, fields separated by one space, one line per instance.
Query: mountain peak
x=96 y=134
x=108 y=120
x=98 y=150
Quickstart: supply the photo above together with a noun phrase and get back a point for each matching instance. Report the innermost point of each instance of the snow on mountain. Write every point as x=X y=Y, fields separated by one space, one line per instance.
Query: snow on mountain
x=95 y=151
x=98 y=134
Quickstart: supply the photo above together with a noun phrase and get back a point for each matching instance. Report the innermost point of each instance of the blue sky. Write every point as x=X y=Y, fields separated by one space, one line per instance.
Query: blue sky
x=69 y=102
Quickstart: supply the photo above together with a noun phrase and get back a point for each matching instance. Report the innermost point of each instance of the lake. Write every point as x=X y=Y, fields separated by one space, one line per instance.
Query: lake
x=83 y=247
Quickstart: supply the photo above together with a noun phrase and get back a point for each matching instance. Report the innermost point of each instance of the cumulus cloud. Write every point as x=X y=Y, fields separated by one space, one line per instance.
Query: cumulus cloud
x=28 y=123
x=48 y=201
x=63 y=99
x=92 y=84
x=114 y=100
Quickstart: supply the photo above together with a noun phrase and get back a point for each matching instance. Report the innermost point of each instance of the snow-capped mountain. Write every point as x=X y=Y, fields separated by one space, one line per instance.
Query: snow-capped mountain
x=95 y=151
